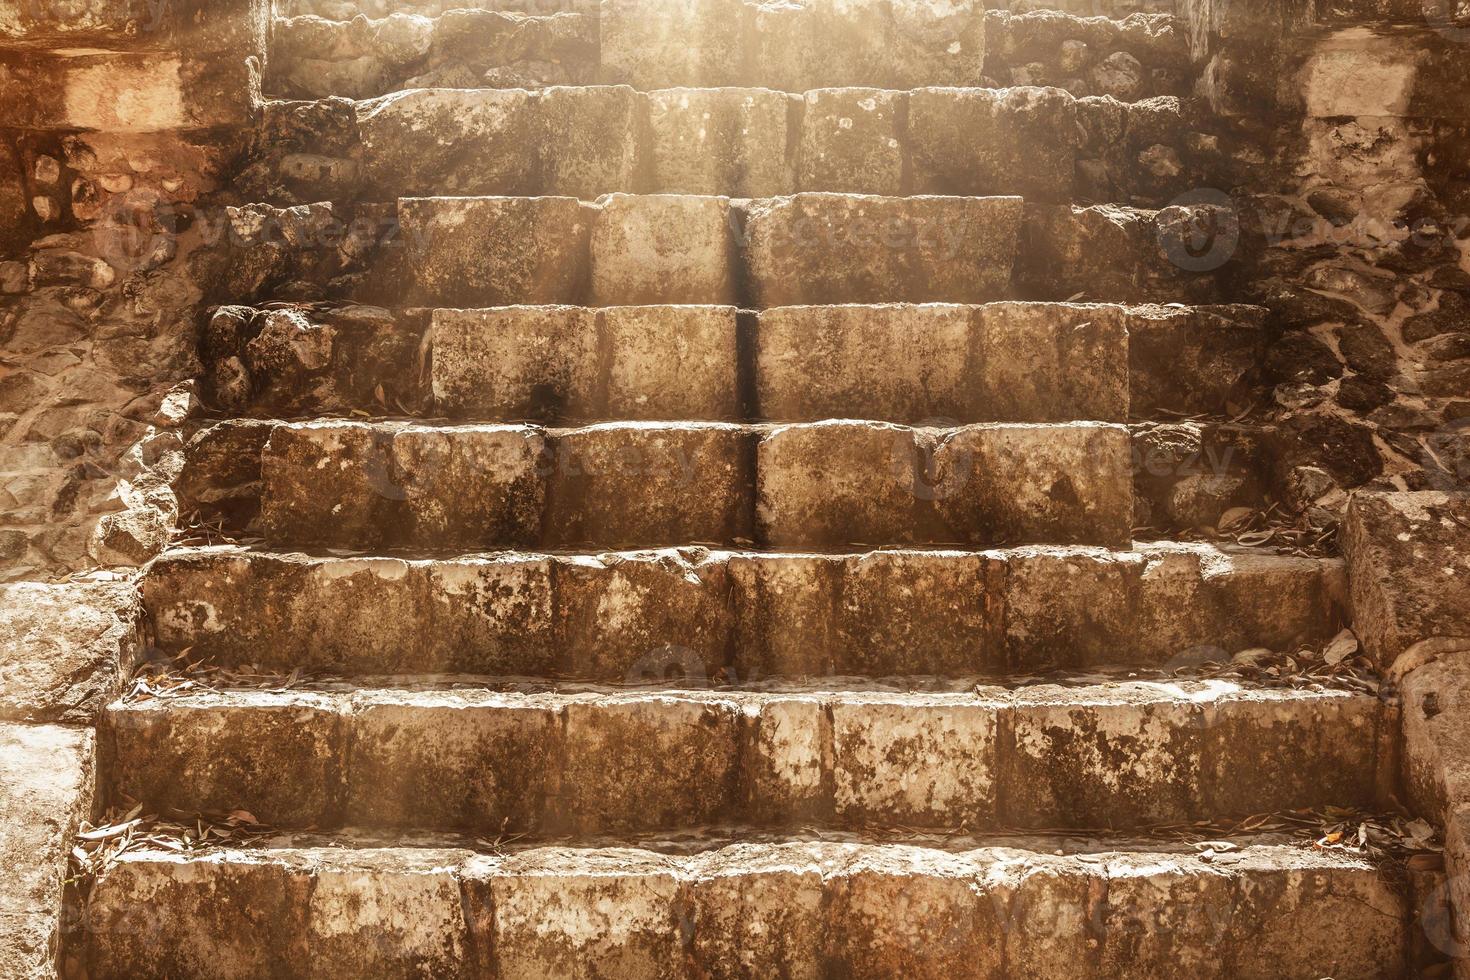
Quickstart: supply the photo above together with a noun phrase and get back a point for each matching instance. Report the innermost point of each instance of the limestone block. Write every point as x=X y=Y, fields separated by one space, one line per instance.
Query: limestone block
x=1049 y=363
x=645 y=485
x=759 y=914
x=47 y=775
x=644 y=617
x=495 y=251
x=937 y=43
x=785 y=762
x=64 y=648
x=834 y=248
x=795 y=47
x=356 y=484
x=916 y=760
x=648 y=762
x=588 y=139
x=1408 y=559
x=671 y=362
x=1071 y=607
x=993 y=141
x=449 y=760
x=739 y=142
x=662 y=248
x=851 y=142
x=1192 y=361
x=171 y=753
x=651 y=44
x=450 y=141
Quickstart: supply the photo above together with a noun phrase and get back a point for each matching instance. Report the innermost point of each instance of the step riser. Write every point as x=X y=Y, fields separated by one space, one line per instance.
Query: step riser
x=347 y=484
x=629 y=250
x=1135 y=756
x=911 y=364
x=583 y=142
x=797 y=910
x=753 y=616
x=1130 y=59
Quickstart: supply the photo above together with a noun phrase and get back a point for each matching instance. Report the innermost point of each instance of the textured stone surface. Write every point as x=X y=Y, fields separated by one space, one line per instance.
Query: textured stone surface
x=885 y=909
x=661 y=249
x=1409 y=559
x=1112 y=755
x=851 y=142
x=64 y=648
x=644 y=615
x=739 y=142
x=46 y=783
x=831 y=248
x=989 y=141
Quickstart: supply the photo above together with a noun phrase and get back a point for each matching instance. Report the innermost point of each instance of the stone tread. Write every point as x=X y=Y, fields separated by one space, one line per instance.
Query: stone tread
x=749 y=615
x=907 y=363
x=1007 y=907
x=341 y=483
x=1111 y=755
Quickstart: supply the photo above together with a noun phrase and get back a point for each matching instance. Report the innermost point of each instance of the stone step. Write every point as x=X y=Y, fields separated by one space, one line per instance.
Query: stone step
x=588 y=761
x=1000 y=362
x=312 y=58
x=639 y=616
x=584 y=141
x=631 y=250
x=353 y=484
x=808 y=908
x=1140 y=56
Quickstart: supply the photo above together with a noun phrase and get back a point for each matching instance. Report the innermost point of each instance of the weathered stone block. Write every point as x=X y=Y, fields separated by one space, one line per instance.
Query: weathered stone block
x=662 y=249
x=195 y=753
x=759 y=912
x=47 y=774
x=495 y=251
x=450 y=141
x=671 y=362
x=646 y=485
x=1408 y=558
x=1049 y=363
x=446 y=761
x=354 y=484
x=834 y=248
x=851 y=142
x=1192 y=361
x=937 y=44
x=588 y=139
x=644 y=617
x=651 y=44
x=786 y=764
x=739 y=142
x=795 y=47
x=648 y=762
x=567 y=913
x=916 y=760
x=64 y=648
x=1019 y=484
x=993 y=141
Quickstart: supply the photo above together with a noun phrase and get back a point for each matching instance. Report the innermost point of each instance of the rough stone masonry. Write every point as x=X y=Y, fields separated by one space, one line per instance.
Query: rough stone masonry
x=714 y=488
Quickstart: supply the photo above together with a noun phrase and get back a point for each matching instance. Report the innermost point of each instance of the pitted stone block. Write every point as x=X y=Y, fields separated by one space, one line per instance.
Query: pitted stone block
x=736 y=141
x=851 y=141
x=662 y=248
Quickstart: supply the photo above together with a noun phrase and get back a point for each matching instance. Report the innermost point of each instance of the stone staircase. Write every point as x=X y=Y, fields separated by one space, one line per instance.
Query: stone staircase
x=706 y=548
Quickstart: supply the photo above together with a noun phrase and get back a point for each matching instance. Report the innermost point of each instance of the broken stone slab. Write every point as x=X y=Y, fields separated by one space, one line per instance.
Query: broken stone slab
x=1408 y=559
x=993 y=141
x=837 y=483
x=775 y=908
x=835 y=248
x=546 y=363
x=736 y=141
x=65 y=648
x=1125 y=754
x=694 y=613
x=47 y=776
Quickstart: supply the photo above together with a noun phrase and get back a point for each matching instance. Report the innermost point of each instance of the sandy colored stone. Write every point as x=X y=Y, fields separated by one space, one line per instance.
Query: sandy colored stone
x=545 y=363
x=494 y=251
x=1192 y=360
x=937 y=43
x=993 y=141
x=796 y=47
x=648 y=762
x=851 y=142
x=918 y=761
x=353 y=484
x=450 y=760
x=46 y=786
x=834 y=248
x=739 y=142
x=64 y=648
x=588 y=140
x=1019 y=484
x=450 y=141
x=651 y=44
x=788 y=761
x=639 y=484
x=760 y=911
x=661 y=248
x=1408 y=556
